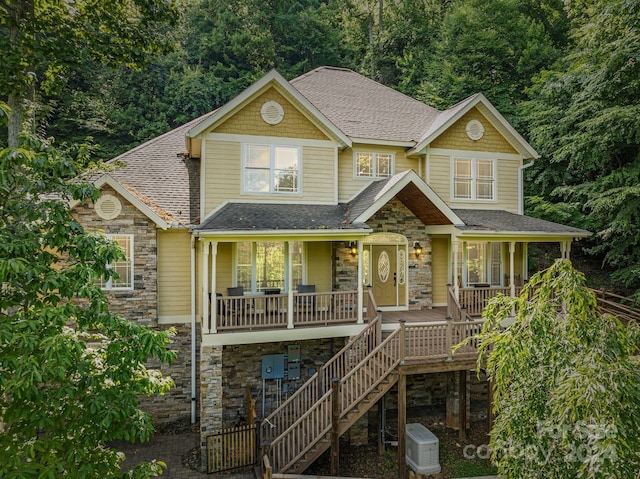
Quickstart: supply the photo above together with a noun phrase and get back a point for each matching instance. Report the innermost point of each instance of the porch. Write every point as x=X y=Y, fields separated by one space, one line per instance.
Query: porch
x=273 y=311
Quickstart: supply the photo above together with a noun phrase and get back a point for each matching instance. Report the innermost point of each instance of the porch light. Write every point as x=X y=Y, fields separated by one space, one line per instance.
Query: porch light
x=353 y=248
x=417 y=249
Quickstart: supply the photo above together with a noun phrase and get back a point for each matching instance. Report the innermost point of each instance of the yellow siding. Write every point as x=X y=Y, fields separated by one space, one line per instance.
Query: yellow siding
x=224 y=270
x=455 y=137
x=319 y=265
x=223 y=178
x=439 y=177
x=440 y=269
x=506 y=181
x=348 y=185
x=174 y=276
x=318 y=176
x=248 y=120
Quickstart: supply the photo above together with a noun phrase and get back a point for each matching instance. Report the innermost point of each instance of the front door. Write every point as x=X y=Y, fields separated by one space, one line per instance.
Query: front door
x=388 y=274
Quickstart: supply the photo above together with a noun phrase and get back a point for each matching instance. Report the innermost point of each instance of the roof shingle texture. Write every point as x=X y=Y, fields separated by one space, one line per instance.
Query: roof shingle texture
x=504 y=221
x=260 y=217
x=156 y=171
x=363 y=108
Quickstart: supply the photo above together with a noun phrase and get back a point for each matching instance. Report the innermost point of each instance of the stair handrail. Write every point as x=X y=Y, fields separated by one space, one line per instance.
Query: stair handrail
x=318 y=384
x=372 y=370
x=616 y=307
x=454 y=310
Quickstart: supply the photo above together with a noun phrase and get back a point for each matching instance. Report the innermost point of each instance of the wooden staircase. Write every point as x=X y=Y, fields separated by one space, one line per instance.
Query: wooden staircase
x=625 y=309
x=300 y=430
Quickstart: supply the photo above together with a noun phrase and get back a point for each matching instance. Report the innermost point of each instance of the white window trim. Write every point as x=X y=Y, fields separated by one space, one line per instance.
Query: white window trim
x=473 y=160
x=375 y=165
x=488 y=261
x=108 y=286
x=272 y=147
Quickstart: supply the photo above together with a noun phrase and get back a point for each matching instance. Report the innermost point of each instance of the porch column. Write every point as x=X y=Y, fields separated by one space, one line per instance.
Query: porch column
x=204 y=270
x=214 y=301
x=290 y=286
x=512 y=282
x=454 y=273
x=360 y=299
x=525 y=262
x=568 y=250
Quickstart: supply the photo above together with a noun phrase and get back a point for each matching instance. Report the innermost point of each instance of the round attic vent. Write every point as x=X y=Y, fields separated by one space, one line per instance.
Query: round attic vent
x=108 y=207
x=272 y=112
x=475 y=130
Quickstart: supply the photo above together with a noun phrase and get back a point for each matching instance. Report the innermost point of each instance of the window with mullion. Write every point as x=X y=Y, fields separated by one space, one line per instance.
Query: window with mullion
x=473 y=179
x=271 y=169
x=263 y=264
x=123 y=267
x=373 y=165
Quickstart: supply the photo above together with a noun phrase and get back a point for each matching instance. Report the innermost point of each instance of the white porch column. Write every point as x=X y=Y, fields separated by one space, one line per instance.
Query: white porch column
x=290 y=285
x=567 y=250
x=204 y=276
x=525 y=262
x=214 y=301
x=454 y=273
x=360 y=299
x=563 y=249
x=512 y=282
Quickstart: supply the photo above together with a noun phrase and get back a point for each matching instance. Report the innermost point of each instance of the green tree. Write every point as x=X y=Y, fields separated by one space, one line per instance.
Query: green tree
x=493 y=47
x=71 y=372
x=585 y=120
x=41 y=40
x=566 y=382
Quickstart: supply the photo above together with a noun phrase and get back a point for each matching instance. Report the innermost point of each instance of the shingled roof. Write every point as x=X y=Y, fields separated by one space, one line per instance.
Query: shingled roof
x=246 y=217
x=165 y=180
x=495 y=221
x=363 y=108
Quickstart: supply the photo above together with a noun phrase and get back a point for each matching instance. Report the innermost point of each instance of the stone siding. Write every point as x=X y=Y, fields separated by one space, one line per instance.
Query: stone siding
x=242 y=367
x=176 y=404
x=395 y=217
x=141 y=303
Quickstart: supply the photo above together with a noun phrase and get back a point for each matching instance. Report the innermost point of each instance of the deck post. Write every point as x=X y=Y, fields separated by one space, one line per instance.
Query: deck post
x=448 y=338
x=462 y=405
x=335 y=424
x=401 y=345
x=402 y=426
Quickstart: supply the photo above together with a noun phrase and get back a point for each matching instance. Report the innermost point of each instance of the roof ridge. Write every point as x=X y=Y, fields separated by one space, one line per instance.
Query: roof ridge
x=317 y=69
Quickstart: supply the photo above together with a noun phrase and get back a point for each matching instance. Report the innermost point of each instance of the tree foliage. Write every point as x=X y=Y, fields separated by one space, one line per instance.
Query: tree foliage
x=71 y=372
x=566 y=382
x=585 y=120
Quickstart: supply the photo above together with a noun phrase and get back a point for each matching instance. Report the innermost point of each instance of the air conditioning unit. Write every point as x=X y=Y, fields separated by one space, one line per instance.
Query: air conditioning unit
x=423 y=454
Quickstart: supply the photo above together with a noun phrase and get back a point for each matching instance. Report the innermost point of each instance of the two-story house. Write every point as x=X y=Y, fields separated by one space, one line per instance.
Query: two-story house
x=273 y=229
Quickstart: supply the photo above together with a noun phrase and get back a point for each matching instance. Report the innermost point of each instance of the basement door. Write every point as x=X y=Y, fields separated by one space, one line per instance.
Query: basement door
x=388 y=276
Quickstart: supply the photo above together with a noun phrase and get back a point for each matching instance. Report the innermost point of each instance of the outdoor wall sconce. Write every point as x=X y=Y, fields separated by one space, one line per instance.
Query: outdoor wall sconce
x=353 y=248
x=417 y=249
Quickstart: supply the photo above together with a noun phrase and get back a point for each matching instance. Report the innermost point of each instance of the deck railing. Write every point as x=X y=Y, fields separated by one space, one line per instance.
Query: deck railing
x=271 y=311
x=320 y=383
x=474 y=300
x=306 y=426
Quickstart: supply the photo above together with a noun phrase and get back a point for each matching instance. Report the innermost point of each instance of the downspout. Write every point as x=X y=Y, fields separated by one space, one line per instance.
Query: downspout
x=521 y=187
x=193 y=329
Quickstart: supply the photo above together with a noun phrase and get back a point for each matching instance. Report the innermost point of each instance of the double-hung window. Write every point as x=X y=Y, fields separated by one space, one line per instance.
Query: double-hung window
x=373 y=165
x=480 y=263
x=271 y=169
x=123 y=267
x=473 y=179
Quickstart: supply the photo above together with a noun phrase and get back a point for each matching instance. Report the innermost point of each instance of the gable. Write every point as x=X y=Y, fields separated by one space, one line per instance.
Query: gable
x=456 y=138
x=248 y=120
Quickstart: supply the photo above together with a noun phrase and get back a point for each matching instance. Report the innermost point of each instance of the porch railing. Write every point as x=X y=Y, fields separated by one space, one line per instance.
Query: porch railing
x=474 y=300
x=271 y=311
